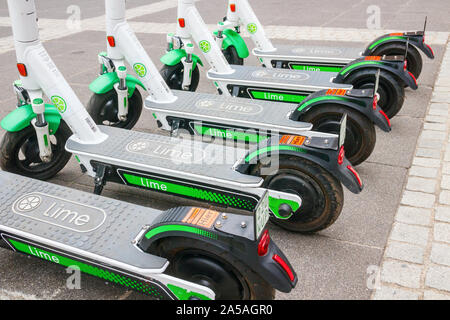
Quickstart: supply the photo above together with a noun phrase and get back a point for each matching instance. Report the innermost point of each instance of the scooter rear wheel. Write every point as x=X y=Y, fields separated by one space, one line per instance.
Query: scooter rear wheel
x=414 y=59
x=103 y=109
x=321 y=193
x=20 y=153
x=204 y=264
x=360 y=137
x=173 y=76
x=390 y=89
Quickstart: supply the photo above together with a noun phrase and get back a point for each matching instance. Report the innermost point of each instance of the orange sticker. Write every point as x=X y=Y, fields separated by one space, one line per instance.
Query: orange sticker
x=337 y=92
x=396 y=34
x=294 y=140
x=201 y=217
x=373 y=58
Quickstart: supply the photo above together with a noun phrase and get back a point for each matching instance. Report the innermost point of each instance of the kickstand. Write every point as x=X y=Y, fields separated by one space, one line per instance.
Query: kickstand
x=100 y=179
x=235 y=92
x=174 y=128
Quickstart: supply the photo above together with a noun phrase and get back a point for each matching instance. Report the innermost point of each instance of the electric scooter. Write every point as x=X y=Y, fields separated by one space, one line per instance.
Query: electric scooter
x=240 y=120
x=183 y=253
x=319 y=100
x=319 y=58
x=39 y=138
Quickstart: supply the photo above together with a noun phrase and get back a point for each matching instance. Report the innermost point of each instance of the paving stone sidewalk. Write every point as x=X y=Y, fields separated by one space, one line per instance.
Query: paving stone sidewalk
x=416 y=262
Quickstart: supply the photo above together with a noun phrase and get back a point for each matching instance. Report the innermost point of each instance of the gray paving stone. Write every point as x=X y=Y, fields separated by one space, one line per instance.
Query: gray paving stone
x=418 y=199
x=440 y=254
x=424 y=162
x=421 y=184
x=434 y=126
x=411 y=215
x=444 y=197
x=401 y=273
x=405 y=251
x=428 y=153
x=433 y=135
x=430 y=143
x=446 y=168
x=432 y=295
x=442 y=213
x=424 y=172
x=442 y=232
x=409 y=233
x=438 y=277
x=438 y=119
x=445 y=182
x=389 y=293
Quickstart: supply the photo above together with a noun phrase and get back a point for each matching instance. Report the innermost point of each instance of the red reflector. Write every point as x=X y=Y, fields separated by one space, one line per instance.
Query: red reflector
x=284 y=265
x=22 y=69
x=263 y=245
x=412 y=76
x=375 y=102
x=181 y=22
x=341 y=155
x=111 y=41
x=430 y=49
x=405 y=65
x=385 y=115
x=355 y=174
x=233 y=7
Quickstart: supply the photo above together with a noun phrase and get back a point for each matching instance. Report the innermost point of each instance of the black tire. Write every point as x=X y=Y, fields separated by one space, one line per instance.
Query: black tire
x=232 y=56
x=103 y=109
x=173 y=76
x=321 y=193
x=391 y=91
x=20 y=153
x=360 y=135
x=205 y=264
x=414 y=58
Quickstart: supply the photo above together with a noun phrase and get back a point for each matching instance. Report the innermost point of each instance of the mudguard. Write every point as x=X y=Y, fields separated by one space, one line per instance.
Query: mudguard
x=415 y=38
x=105 y=83
x=360 y=100
x=174 y=57
x=392 y=65
x=200 y=224
x=21 y=117
x=326 y=158
x=234 y=39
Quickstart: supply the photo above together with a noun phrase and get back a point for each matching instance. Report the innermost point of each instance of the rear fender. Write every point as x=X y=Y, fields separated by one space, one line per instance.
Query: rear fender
x=414 y=38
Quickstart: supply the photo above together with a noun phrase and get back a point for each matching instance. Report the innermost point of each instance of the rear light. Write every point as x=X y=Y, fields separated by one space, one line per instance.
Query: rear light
x=22 y=69
x=375 y=101
x=412 y=76
x=386 y=117
x=181 y=22
x=341 y=155
x=111 y=41
x=233 y=7
x=284 y=265
x=263 y=244
x=405 y=65
x=352 y=170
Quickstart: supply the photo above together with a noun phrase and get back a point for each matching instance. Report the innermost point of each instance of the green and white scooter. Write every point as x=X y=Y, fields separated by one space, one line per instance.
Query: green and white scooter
x=39 y=138
x=304 y=152
x=183 y=253
x=319 y=100
x=348 y=62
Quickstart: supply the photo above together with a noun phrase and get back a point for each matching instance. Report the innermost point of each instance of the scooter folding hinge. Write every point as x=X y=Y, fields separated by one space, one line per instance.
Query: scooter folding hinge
x=101 y=172
x=22 y=95
x=108 y=63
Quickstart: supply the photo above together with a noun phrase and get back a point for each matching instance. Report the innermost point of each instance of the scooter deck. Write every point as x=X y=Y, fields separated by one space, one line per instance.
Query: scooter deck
x=232 y=111
x=321 y=54
x=65 y=220
x=182 y=158
x=308 y=81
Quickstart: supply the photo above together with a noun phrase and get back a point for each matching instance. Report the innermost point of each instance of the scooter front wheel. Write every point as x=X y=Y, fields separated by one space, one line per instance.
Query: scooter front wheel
x=232 y=56
x=20 y=153
x=321 y=193
x=391 y=91
x=360 y=136
x=207 y=265
x=103 y=109
x=173 y=76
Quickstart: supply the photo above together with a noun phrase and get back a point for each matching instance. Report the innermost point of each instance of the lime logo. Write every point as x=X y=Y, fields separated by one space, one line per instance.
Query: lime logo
x=28 y=203
x=138 y=146
x=140 y=69
x=59 y=103
x=252 y=28
x=205 y=46
x=229 y=107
